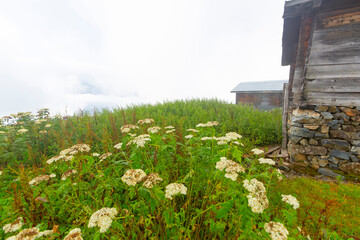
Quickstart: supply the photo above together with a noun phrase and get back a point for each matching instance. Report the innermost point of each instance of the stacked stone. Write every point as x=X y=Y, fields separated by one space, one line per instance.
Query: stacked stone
x=326 y=139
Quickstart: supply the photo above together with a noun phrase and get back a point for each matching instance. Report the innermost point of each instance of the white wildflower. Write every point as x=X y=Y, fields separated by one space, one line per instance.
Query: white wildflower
x=127 y=128
x=189 y=136
x=48 y=125
x=208 y=138
x=68 y=173
x=222 y=142
x=170 y=131
x=231 y=136
x=53 y=175
x=291 y=200
x=39 y=179
x=133 y=176
x=231 y=168
x=42 y=131
x=140 y=140
x=257 y=199
x=153 y=130
x=267 y=161
x=23 y=130
x=118 y=146
x=257 y=151
x=14 y=226
x=96 y=154
x=174 y=189
x=27 y=234
x=102 y=218
x=151 y=180
x=74 y=234
x=105 y=156
x=208 y=124
x=192 y=130
x=45 y=233
x=169 y=127
x=146 y=121
x=276 y=230
x=232 y=176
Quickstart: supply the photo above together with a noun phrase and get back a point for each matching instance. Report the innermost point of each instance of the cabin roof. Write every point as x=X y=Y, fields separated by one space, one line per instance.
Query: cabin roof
x=256 y=86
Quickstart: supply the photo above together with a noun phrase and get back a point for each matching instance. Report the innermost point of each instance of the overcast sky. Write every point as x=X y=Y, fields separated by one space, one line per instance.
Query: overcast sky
x=81 y=54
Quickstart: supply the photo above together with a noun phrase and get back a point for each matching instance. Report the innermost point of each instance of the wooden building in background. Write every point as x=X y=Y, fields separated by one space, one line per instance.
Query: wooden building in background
x=321 y=43
x=264 y=95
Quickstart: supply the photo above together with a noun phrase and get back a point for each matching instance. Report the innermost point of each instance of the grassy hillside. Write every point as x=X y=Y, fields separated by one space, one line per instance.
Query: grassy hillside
x=182 y=170
x=46 y=136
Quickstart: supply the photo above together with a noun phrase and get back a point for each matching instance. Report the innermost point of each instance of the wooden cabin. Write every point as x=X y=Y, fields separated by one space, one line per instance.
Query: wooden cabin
x=264 y=95
x=321 y=43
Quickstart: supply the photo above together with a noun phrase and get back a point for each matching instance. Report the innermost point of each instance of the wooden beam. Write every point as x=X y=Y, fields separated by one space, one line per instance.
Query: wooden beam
x=333 y=85
x=285 y=116
x=332 y=99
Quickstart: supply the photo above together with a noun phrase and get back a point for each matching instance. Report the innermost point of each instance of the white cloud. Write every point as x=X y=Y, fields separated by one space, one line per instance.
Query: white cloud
x=53 y=52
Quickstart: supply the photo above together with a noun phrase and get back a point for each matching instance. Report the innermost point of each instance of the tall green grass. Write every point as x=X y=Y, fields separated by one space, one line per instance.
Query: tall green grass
x=101 y=128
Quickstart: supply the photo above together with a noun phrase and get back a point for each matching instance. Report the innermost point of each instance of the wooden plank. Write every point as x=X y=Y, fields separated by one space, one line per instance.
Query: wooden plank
x=333 y=71
x=340 y=85
x=332 y=99
x=285 y=115
x=338 y=54
x=346 y=36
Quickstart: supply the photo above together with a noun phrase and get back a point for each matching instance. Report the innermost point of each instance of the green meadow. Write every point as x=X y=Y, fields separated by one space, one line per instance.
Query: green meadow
x=177 y=170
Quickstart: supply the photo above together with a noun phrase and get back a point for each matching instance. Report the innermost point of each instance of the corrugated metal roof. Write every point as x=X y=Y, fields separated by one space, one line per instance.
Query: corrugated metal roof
x=295 y=2
x=276 y=85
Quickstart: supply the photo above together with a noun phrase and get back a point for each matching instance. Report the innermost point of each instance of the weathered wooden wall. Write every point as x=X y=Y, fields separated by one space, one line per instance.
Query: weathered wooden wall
x=261 y=100
x=332 y=68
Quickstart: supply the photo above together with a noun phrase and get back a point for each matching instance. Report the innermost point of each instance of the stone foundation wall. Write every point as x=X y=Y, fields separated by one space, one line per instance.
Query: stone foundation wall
x=325 y=140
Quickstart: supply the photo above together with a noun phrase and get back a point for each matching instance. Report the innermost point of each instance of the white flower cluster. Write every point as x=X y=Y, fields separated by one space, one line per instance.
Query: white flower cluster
x=96 y=154
x=170 y=131
x=118 y=146
x=208 y=124
x=169 y=127
x=41 y=178
x=189 y=136
x=68 y=173
x=105 y=156
x=68 y=154
x=151 y=180
x=276 y=230
x=133 y=176
x=74 y=234
x=146 y=121
x=140 y=140
x=267 y=161
x=127 y=128
x=231 y=168
x=192 y=130
x=257 y=151
x=291 y=200
x=102 y=218
x=76 y=149
x=174 y=189
x=153 y=130
x=30 y=234
x=23 y=130
x=14 y=226
x=257 y=199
